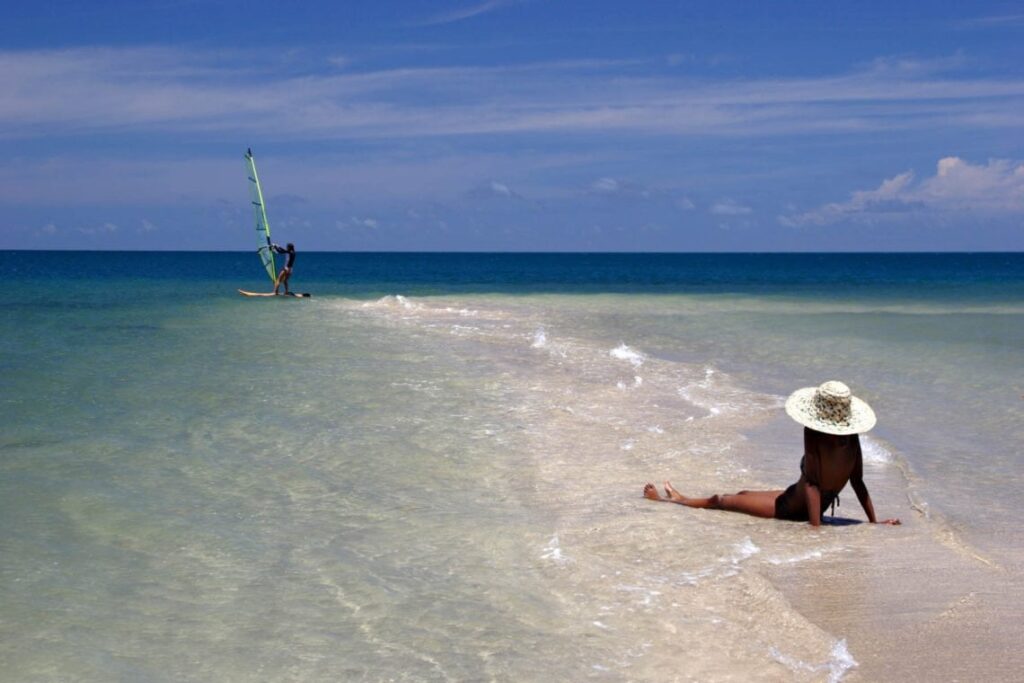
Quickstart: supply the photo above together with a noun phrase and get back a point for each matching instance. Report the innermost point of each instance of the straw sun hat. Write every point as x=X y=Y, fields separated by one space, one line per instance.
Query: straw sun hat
x=831 y=409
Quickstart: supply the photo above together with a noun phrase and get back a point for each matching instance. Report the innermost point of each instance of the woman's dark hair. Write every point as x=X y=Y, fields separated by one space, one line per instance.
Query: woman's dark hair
x=291 y=247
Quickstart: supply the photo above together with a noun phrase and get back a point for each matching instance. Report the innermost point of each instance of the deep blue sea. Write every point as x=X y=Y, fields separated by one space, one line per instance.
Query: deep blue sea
x=991 y=276
x=431 y=469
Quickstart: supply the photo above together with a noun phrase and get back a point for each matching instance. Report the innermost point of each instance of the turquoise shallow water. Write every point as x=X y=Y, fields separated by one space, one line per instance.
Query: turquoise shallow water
x=429 y=471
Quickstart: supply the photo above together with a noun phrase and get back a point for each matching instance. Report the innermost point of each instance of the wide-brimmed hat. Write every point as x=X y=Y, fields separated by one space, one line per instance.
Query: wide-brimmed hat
x=830 y=408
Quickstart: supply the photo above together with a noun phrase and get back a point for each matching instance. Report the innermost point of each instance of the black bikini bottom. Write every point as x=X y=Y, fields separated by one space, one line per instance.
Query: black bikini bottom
x=787 y=505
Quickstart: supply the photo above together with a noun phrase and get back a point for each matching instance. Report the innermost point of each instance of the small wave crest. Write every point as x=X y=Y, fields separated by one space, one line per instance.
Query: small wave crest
x=743 y=550
x=875 y=453
x=637 y=382
x=399 y=302
x=540 y=338
x=406 y=304
x=394 y=301
x=462 y=312
x=805 y=556
x=839 y=662
x=645 y=595
x=623 y=352
x=696 y=394
x=553 y=552
x=729 y=565
x=718 y=395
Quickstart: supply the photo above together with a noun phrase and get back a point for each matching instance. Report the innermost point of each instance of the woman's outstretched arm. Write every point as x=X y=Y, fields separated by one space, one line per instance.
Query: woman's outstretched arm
x=810 y=475
x=861 y=489
x=813 y=495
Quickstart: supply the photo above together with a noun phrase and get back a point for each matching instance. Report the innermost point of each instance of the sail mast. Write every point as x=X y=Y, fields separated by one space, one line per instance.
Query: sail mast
x=266 y=254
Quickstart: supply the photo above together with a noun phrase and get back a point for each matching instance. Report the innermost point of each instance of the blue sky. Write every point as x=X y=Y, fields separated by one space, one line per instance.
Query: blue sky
x=524 y=125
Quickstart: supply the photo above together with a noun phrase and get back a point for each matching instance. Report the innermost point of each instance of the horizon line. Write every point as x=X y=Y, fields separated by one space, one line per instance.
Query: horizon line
x=523 y=252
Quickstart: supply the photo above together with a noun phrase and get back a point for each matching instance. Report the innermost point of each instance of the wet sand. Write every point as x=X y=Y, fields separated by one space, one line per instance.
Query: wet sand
x=913 y=610
x=914 y=602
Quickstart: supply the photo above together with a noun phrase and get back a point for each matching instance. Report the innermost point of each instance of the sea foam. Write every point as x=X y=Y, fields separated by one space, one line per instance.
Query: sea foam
x=875 y=453
x=540 y=338
x=553 y=551
x=623 y=352
x=839 y=662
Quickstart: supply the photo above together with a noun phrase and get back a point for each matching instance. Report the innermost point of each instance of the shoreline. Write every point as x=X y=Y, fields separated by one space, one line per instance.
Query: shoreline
x=912 y=610
x=914 y=603
x=894 y=597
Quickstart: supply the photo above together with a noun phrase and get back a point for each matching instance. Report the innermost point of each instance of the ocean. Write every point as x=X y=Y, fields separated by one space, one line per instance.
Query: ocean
x=432 y=469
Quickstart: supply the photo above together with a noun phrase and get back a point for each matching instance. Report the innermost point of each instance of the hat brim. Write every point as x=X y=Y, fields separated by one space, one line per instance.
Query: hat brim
x=800 y=407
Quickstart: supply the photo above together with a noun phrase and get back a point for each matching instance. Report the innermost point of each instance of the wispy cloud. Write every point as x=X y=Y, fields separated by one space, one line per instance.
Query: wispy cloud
x=995 y=21
x=613 y=187
x=994 y=187
x=493 y=190
x=356 y=223
x=104 y=229
x=297 y=182
x=465 y=12
x=730 y=208
x=83 y=91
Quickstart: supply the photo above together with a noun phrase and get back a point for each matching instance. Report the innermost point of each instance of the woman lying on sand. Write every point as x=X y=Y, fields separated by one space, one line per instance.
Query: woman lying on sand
x=832 y=419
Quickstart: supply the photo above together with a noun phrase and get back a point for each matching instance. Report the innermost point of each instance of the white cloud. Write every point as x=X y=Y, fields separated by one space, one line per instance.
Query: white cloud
x=465 y=12
x=357 y=222
x=147 y=226
x=327 y=179
x=104 y=229
x=493 y=189
x=994 y=187
x=500 y=189
x=995 y=21
x=48 y=229
x=957 y=184
x=730 y=208
x=84 y=90
x=620 y=188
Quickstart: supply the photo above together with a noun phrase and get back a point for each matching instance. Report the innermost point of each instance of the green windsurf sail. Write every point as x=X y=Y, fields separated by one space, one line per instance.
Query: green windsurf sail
x=259 y=210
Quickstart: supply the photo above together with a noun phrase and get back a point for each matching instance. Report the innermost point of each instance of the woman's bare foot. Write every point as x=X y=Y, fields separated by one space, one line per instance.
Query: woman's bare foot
x=673 y=494
x=651 y=492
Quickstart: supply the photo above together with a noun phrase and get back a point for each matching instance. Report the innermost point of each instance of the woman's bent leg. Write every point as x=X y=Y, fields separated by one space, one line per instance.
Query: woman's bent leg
x=757 y=503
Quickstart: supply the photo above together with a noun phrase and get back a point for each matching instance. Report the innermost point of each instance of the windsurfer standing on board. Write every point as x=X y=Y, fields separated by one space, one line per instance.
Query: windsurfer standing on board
x=286 y=272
